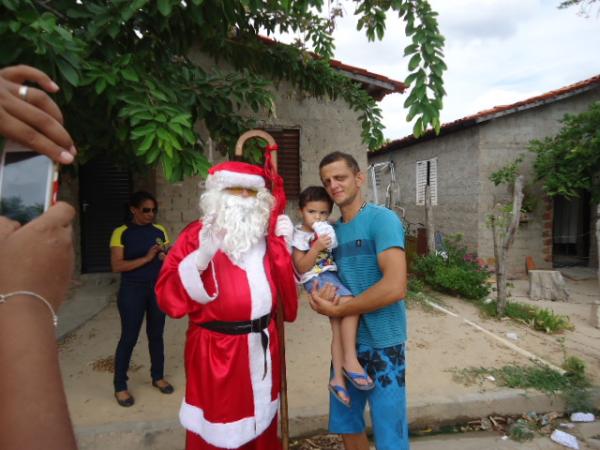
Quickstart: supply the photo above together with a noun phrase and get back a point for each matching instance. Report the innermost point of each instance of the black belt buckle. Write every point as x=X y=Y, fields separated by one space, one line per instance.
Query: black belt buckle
x=260 y=324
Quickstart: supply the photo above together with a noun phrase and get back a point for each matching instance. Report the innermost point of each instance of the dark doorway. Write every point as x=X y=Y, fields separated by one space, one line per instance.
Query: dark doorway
x=104 y=190
x=571 y=231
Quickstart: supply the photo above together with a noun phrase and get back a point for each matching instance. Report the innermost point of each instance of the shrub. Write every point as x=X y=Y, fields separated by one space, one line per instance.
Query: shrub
x=453 y=271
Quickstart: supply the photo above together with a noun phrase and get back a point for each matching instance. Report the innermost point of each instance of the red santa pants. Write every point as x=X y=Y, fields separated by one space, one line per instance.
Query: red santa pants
x=266 y=441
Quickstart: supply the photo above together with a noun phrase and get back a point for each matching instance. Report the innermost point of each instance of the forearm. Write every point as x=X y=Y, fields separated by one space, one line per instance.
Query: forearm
x=130 y=264
x=33 y=407
x=378 y=296
x=304 y=261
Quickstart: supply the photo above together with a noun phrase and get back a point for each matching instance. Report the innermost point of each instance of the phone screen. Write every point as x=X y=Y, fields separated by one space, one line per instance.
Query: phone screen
x=25 y=186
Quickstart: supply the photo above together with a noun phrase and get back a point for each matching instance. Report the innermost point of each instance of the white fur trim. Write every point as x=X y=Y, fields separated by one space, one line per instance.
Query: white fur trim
x=261 y=382
x=190 y=278
x=223 y=179
x=253 y=263
x=224 y=435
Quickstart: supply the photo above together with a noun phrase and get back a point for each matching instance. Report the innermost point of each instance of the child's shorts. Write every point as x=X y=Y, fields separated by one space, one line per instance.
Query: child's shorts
x=328 y=277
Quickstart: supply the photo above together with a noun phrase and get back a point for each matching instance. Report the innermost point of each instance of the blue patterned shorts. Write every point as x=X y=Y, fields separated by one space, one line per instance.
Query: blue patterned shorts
x=387 y=400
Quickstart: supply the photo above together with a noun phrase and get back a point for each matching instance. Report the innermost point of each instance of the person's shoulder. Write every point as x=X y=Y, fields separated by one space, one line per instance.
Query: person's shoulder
x=121 y=228
x=378 y=212
x=160 y=227
x=116 y=239
x=192 y=227
x=373 y=208
x=300 y=232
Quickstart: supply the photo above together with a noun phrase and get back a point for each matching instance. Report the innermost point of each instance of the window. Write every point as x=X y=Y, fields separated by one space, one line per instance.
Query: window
x=426 y=175
x=288 y=159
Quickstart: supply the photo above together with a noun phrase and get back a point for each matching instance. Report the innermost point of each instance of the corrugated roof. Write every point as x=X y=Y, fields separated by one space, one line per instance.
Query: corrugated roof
x=496 y=112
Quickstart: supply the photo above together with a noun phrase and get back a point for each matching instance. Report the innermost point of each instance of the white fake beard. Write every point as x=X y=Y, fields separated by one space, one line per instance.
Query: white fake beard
x=243 y=219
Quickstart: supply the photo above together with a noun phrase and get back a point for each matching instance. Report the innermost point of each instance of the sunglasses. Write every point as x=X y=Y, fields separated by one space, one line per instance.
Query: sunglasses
x=240 y=191
x=147 y=210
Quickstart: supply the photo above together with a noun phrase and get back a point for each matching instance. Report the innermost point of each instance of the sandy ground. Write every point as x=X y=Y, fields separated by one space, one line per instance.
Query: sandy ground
x=438 y=344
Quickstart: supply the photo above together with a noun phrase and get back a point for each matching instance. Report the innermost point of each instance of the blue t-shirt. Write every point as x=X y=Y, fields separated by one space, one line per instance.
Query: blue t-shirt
x=136 y=240
x=372 y=231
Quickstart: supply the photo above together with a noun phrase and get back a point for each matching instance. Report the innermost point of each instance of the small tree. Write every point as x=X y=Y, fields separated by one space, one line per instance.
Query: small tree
x=569 y=163
x=504 y=221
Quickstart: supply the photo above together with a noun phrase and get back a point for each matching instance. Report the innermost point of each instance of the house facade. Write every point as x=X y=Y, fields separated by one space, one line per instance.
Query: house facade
x=306 y=129
x=457 y=164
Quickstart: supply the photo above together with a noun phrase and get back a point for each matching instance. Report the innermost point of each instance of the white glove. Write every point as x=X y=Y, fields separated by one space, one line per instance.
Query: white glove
x=285 y=228
x=211 y=240
x=325 y=229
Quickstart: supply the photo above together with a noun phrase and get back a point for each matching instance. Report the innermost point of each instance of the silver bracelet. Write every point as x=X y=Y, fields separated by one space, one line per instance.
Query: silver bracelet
x=4 y=297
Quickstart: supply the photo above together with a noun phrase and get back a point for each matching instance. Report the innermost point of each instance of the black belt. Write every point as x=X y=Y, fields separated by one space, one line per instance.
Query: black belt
x=244 y=327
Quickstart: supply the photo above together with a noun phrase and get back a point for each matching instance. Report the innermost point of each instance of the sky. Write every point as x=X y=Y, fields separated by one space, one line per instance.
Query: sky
x=497 y=52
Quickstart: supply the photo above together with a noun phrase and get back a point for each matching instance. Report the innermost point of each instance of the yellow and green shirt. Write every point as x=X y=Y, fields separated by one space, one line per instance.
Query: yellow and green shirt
x=136 y=240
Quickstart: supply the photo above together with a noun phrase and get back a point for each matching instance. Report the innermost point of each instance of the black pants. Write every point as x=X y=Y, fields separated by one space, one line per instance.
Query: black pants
x=135 y=300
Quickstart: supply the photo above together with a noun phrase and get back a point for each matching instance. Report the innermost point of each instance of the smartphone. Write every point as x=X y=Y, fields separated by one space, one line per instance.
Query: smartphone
x=28 y=183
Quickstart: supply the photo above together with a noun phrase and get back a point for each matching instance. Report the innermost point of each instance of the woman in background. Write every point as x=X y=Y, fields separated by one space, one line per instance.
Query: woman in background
x=137 y=250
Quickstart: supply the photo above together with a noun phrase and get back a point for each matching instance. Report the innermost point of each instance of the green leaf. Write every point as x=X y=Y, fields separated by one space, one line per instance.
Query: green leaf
x=129 y=74
x=152 y=155
x=165 y=7
x=164 y=135
x=146 y=143
x=67 y=71
x=149 y=128
x=100 y=86
x=414 y=62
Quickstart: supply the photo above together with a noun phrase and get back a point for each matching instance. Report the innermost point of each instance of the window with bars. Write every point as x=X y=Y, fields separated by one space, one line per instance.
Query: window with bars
x=427 y=175
x=288 y=159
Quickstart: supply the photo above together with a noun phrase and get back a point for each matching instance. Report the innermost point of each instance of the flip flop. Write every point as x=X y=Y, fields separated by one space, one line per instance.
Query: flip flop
x=353 y=376
x=335 y=390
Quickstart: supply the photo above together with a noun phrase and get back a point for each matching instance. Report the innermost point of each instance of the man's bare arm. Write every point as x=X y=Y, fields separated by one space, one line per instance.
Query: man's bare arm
x=391 y=288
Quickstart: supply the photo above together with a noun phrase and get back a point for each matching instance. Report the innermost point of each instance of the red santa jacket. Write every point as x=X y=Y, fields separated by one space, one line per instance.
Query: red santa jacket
x=229 y=399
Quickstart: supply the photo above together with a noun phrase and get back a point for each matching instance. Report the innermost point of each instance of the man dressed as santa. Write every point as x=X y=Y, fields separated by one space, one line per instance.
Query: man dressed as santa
x=227 y=272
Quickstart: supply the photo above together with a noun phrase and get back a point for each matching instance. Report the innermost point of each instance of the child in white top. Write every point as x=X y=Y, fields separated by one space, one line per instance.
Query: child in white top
x=312 y=245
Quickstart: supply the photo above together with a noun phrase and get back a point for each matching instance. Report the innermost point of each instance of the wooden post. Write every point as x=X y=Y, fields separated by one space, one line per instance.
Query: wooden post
x=284 y=419
x=501 y=246
x=429 y=225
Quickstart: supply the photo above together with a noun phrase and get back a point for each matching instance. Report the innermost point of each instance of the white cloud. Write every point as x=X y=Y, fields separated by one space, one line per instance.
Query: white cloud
x=497 y=52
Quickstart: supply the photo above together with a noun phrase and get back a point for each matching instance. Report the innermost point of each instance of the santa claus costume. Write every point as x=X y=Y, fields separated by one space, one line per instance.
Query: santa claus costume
x=232 y=349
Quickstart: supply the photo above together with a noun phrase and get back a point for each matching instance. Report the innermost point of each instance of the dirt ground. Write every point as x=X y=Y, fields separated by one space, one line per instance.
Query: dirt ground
x=438 y=344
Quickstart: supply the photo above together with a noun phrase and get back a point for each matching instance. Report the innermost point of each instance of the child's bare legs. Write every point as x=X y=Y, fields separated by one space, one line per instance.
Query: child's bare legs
x=337 y=357
x=348 y=329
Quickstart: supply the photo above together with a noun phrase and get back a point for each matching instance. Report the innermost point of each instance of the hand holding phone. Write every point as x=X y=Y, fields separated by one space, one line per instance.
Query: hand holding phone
x=28 y=183
x=39 y=256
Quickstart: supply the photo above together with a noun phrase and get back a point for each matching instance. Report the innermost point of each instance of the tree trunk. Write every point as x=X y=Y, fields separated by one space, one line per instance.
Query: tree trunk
x=547 y=285
x=500 y=264
x=501 y=250
x=429 y=225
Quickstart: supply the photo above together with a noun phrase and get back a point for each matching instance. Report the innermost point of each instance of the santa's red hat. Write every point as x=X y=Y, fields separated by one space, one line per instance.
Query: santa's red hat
x=235 y=174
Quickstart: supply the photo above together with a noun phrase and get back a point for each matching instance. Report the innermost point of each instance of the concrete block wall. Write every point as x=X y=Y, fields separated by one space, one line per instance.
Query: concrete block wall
x=457 y=177
x=502 y=141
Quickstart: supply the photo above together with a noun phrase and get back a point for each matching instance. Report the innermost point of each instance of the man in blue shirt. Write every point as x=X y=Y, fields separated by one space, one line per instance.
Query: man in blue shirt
x=371 y=263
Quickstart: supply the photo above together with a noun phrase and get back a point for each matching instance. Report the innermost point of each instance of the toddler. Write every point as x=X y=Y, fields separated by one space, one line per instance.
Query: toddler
x=312 y=243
